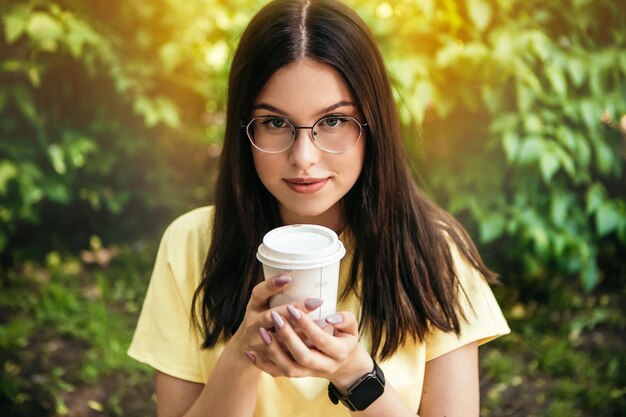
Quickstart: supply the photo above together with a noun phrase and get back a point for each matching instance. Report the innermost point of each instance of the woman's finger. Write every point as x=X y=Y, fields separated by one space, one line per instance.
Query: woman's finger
x=262 y=292
x=344 y=323
x=301 y=356
x=263 y=364
x=336 y=346
x=306 y=305
x=291 y=355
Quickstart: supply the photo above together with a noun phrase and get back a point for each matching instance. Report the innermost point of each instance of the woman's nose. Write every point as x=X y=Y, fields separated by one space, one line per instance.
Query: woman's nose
x=303 y=153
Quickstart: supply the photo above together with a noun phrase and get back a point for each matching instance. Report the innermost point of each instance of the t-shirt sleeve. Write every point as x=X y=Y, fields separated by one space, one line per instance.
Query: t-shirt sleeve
x=484 y=320
x=164 y=337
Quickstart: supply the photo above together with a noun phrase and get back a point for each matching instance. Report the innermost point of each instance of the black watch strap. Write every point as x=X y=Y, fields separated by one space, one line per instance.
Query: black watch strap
x=363 y=392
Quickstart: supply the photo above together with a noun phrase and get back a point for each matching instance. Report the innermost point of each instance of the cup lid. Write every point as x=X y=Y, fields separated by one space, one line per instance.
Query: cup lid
x=300 y=246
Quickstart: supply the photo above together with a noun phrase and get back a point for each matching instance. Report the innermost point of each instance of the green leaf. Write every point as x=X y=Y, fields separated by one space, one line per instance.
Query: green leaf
x=78 y=150
x=511 y=145
x=57 y=192
x=79 y=34
x=559 y=204
x=549 y=164
x=491 y=227
x=44 y=30
x=57 y=158
x=493 y=98
x=604 y=158
x=24 y=100
x=534 y=124
x=15 y=22
x=531 y=149
x=566 y=137
x=576 y=70
x=589 y=275
x=595 y=196
x=168 y=112
x=480 y=13
x=607 y=218
x=525 y=97
x=590 y=114
x=541 y=44
x=540 y=239
x=557 y=80
x=8 y=171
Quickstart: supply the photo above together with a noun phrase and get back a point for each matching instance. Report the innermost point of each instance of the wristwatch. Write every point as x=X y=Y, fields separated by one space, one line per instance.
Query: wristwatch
x=363 y=392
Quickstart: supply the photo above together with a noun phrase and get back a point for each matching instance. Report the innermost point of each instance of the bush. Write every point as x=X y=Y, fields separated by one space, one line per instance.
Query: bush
x=109 y=112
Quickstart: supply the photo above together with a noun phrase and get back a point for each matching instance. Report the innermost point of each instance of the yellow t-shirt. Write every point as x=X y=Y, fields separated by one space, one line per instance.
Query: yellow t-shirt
x=165 y=340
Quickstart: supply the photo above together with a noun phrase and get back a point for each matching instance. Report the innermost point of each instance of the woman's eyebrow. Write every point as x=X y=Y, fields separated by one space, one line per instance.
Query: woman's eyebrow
x=269 y=107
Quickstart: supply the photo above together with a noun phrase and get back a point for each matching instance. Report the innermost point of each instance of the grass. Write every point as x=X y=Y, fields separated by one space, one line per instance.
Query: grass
x=65 y=326
x=64 y=330
x=566 y=362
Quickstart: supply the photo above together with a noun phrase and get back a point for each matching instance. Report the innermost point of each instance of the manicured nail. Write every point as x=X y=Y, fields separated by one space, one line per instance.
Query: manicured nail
x=321 y=323
x=312 y=303
x=250 y=356
x=265 y=336
x=282 y=280
x=334 y=318
x=294 y=312
x=278 y=320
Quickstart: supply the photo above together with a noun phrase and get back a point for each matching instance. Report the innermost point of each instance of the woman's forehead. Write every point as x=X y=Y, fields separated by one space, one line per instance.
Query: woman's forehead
x=305 y=88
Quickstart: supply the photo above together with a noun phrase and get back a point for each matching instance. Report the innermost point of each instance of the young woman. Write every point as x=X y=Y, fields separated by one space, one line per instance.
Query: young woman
x=312 y=136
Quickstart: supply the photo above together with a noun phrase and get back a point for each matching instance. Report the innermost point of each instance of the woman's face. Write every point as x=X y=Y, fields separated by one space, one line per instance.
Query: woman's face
x=307 y=182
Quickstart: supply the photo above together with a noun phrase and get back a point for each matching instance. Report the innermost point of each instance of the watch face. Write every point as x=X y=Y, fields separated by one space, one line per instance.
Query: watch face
x=366 y=393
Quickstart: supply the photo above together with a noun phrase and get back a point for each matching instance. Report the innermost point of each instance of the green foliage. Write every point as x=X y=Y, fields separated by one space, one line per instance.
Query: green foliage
x=520 y=105
x=107 y=114
x=546 y=367
x=68 y=330
x=102 y=122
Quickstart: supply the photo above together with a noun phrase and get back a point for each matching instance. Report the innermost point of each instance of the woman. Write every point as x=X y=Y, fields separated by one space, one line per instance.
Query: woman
x=415 y=300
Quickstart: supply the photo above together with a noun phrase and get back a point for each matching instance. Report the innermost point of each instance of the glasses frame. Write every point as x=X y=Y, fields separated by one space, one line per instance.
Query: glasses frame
x=246 y=126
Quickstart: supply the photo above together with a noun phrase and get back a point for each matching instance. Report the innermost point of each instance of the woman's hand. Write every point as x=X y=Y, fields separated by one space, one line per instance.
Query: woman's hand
x=248 y=339
x=305 y=349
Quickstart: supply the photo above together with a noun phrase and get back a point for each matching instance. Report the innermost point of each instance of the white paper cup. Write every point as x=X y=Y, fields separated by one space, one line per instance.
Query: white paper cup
x=310 y=255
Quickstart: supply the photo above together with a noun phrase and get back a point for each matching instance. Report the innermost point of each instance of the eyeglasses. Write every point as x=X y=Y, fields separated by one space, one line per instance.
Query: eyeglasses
x=275 y=134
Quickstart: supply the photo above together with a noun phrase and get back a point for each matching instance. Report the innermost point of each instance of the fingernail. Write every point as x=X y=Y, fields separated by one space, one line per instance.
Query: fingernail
x=321 y=323
x=294 y=312
x=278 y=320
x=265 y=336
x=282 y=280
x=334 y=318
x=250 y=356
x=312 y=303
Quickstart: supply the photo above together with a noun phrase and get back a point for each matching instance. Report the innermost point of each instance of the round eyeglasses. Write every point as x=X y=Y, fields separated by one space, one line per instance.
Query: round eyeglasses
x=334 y=134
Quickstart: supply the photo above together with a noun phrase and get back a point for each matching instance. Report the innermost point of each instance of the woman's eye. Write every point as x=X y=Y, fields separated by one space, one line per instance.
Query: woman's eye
x=333 y=121
x=275 y=122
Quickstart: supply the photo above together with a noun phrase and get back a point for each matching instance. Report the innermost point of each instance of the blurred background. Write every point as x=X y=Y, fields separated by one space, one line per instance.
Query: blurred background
x=111 y=120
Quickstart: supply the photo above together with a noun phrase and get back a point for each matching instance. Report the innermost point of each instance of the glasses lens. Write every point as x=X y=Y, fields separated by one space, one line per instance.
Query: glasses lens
x=271 y=134
x=336 y=133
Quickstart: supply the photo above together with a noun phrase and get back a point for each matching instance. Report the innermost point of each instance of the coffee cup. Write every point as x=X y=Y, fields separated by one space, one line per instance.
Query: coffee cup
x=310 y=255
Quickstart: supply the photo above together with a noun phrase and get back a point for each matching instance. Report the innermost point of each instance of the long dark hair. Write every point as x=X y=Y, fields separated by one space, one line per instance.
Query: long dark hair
x=402 y=260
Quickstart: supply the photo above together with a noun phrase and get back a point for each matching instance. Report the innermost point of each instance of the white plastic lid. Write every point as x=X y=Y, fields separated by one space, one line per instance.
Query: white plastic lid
x=300 y=246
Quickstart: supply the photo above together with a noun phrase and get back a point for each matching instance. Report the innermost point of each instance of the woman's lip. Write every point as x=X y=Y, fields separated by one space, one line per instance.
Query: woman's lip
x=306 y=185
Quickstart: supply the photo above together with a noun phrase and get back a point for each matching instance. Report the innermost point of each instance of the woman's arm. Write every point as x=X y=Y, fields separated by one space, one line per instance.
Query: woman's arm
x=451 y=384
x=174 y=395
x=230 y=391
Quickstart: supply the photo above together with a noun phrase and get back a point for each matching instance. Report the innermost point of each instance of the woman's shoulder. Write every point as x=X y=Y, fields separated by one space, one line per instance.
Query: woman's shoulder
x=196 y=221
x=190 y=233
